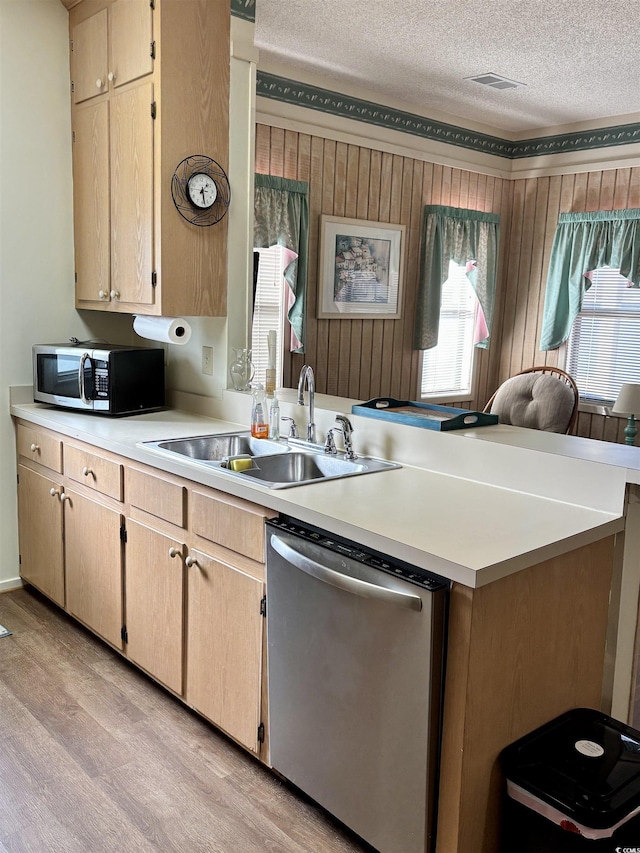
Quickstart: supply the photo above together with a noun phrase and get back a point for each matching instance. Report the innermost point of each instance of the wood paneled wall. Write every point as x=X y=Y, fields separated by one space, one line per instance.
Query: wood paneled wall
x=536 y=205
x=369 y=358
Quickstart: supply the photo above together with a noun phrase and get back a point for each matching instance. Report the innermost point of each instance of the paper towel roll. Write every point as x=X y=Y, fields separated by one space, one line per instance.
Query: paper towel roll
x=167 y=330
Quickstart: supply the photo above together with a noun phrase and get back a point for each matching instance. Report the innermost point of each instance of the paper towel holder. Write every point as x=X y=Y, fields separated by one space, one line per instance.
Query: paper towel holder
x=203 y=169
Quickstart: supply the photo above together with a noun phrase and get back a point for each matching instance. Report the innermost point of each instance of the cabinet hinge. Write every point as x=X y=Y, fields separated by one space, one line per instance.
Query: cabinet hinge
x=75 y=276
x=19 y=559
x=152 y=3
x=154 y=278
x=261 y=733
x=124 y=634
x=123 y=533
x=153 y=110
x=73 y=137
x=18 y=479
x=71 y=45
x=152 y=50
x=73 y=87
x=263 y=605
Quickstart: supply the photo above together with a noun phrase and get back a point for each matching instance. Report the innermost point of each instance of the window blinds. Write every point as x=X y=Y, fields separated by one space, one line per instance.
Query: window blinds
x=604 y=345
x=268 y=312
x=447 y=369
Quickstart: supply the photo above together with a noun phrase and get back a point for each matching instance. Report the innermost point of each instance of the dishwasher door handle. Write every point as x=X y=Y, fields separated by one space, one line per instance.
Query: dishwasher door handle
x=345 y=582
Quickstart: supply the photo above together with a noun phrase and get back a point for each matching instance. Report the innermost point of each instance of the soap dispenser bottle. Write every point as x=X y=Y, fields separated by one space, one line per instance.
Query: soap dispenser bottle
x=259 y=425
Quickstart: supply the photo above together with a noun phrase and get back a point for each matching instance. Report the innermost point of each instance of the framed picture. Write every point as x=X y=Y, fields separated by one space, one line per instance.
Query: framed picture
x=360 y=269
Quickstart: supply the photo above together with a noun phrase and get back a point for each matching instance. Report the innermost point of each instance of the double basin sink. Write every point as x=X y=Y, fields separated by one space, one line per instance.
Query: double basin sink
x=276 y=464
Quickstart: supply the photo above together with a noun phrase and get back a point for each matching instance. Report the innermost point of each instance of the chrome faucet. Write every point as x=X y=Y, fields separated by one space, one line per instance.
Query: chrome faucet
x=347 y=431
x=306 y=375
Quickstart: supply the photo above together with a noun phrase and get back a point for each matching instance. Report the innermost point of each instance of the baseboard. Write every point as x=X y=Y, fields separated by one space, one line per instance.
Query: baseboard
x=10 y=584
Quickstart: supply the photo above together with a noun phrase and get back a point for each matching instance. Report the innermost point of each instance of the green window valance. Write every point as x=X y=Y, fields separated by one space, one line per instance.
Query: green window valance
x=469 y=238
x=281 y=217
x=585 y=242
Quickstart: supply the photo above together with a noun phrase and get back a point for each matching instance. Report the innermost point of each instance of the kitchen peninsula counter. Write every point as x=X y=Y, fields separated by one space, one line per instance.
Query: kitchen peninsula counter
x=528 y=540
x=462 y=529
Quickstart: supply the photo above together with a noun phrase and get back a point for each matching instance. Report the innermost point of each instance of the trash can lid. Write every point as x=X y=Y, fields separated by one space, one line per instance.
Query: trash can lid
x=583 y=763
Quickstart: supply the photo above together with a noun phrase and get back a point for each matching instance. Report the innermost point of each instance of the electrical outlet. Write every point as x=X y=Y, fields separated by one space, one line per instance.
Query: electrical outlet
x=207 y=360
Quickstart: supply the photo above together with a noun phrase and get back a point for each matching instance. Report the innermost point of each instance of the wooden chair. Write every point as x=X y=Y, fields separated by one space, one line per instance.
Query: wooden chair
x=538 y=398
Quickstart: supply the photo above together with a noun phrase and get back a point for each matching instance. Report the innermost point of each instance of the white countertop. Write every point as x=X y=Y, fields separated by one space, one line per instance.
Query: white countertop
x=427 y=514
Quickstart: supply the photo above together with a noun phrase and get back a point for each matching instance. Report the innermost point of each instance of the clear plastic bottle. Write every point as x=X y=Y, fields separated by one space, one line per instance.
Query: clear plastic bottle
x=259 y=424
x=274 y=417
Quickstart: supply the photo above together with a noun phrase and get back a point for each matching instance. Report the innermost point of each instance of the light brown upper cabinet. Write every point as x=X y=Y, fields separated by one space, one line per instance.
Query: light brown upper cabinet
x=150 y=88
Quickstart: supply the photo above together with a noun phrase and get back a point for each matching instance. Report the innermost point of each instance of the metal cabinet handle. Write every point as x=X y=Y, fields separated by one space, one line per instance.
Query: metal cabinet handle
x=103 y=294
x=115 y=294
x=64 y=497
x=111 y=76
x=35 y=448
x=87 y=472
x=173 y=553
x=53 y=492
x=191 y=561
x=99 y=83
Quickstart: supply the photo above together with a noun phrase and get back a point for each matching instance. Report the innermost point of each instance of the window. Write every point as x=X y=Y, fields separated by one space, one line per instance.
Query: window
x=447 y=369
x=604 y=343
x=268 y=312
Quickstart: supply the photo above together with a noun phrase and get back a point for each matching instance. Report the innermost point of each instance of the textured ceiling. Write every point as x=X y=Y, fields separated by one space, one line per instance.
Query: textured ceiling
x=579 y=59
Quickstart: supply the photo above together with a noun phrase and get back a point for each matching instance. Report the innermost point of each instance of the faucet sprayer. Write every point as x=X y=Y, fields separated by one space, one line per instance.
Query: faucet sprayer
x=306 y=375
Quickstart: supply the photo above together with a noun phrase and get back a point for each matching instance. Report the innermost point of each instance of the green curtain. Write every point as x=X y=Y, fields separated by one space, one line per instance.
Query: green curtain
x=281 y=217
x=467 y=237
x=585 y=242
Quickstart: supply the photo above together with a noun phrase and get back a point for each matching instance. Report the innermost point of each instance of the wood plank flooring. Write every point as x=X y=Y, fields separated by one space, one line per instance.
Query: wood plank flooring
x=96 y=758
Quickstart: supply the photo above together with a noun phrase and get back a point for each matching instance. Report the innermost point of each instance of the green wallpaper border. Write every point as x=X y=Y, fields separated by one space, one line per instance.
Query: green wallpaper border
x=312 y=97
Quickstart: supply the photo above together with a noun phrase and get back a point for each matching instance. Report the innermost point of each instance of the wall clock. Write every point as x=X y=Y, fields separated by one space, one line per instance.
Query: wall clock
x=200 y=190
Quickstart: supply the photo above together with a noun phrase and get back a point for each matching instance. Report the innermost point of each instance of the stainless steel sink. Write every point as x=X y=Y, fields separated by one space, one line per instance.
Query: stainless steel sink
x=277 y=465
x=215 y=448
x=295 y=468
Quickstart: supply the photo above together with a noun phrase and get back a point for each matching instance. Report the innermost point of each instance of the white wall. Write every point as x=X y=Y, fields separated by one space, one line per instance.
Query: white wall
x=36 y=243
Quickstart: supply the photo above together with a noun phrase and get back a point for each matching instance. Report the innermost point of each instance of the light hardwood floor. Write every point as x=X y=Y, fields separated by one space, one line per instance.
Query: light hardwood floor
x=96 y=758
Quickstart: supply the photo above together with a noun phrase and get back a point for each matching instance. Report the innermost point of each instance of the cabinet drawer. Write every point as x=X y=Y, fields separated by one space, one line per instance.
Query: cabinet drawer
x=156 y=495
x=96 y=472
x=231 y=522
x=41 y=447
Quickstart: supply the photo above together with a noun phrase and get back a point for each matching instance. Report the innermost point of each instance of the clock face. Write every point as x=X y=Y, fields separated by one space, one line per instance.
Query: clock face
x=202 y=190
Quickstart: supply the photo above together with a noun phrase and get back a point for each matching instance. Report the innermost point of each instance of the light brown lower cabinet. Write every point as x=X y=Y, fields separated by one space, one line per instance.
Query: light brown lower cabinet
x=93 y=564
x=40 y=512
x=168 y=572
x=154 y=599
x=224 y=646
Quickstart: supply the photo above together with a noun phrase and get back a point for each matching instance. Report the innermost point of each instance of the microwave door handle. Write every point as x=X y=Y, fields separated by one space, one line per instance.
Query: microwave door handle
x=83 y=393
x=349 y=584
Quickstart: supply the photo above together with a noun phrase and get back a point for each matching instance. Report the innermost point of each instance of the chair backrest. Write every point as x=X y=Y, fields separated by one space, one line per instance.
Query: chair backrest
x=543 y=398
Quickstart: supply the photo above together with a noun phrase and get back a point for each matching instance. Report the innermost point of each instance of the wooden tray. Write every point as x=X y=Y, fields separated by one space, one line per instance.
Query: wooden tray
x=422 y=415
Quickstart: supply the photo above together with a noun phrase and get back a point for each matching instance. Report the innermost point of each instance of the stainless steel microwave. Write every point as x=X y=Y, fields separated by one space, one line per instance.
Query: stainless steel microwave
x=110 y=379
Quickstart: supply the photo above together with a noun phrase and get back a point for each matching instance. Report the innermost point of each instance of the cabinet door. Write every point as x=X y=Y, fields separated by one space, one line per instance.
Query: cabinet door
x=93 y=559
x=131 y=37
x=91 y=202
x=132 y=195
x=89 y=57
x=154 y=577
x=40 y=532
x=224 y=647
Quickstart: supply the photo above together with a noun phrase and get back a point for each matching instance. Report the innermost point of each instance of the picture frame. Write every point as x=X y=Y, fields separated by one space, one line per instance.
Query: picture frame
x=360 y=269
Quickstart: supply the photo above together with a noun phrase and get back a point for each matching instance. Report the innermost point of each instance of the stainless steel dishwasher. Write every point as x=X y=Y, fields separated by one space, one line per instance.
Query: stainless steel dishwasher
x=355 y=664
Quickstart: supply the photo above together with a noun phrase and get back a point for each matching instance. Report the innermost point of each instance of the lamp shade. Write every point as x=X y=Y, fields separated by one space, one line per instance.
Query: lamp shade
x=628 y=402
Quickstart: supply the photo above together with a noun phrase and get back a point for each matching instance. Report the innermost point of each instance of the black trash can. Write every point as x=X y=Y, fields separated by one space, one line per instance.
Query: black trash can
x=573 y=786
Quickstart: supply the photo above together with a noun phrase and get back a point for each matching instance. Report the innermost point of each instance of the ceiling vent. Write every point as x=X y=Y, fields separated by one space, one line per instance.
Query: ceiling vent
x=495 y=81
